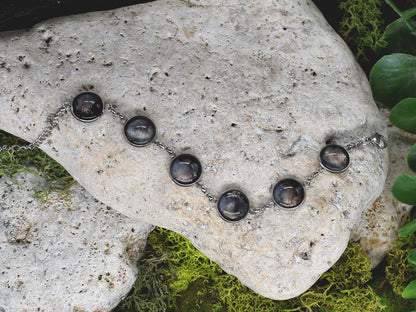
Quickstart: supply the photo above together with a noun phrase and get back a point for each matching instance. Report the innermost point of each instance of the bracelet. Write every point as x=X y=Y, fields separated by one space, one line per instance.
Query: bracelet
x=186 y=170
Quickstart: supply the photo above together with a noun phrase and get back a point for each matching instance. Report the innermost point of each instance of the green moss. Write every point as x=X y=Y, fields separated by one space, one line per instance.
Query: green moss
x=36 y=162
x=362 y=26
x=174 y=276
x=398 y=271
x=394 y=302
x=151 y=292
x=198 y=284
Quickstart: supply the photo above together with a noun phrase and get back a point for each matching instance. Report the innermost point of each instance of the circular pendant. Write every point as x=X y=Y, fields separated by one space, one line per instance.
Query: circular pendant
x=334 y=158
x=233 y=205
x=139 y=131
x=87 y=107
x=185 y=169
x=288 y=193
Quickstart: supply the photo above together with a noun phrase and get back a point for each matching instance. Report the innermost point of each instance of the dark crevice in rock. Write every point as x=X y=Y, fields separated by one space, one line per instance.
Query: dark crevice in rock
x=20 y=14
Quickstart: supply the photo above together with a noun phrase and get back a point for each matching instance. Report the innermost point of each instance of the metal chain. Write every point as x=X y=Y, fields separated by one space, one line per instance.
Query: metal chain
x=377 y=140
x=310 y=179
x=204 y=190
x=113 y=111
x=353 y=145
x=124 y=118
x=52 y=122
x=165 y=148
x=262 y=208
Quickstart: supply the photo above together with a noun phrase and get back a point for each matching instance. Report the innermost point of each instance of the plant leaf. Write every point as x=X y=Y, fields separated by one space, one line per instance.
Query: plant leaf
x=408 y=13
x=410 y=291
x=393 y=78
x=399 y=37
x=411 y=158
x=403 y=115
x=407 y=229
x=412 y=257
x=404 y=189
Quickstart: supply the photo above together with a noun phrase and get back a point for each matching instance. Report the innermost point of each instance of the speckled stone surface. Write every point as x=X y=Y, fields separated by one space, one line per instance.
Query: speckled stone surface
x=379 y=224
x=70 y=253
x=254 y=89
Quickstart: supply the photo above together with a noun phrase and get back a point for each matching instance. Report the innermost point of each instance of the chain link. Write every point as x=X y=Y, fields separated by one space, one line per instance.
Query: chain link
x=52 y=122
x=165 y=148
x=204 y=190
x=310 y=179
x=262 y=208
x=377 y=140
x=353 y=145
x=113 y=111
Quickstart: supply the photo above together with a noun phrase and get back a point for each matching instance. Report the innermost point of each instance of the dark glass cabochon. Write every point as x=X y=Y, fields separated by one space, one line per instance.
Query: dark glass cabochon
x=233 y=205
x=288 y=193
x=87 y=106
x=185 y=169
x=334 y=158
x=140 y=131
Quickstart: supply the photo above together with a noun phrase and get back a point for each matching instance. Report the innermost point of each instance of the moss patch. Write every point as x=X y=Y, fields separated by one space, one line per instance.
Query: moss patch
x=362 y=26
x=174 y=276
x=36 y=162
x=399 y=272
x=195 y=283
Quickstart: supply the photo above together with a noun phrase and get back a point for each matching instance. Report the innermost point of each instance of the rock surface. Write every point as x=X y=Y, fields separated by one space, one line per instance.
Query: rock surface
x=254 y=89
x=378 y=227
x=68 y=254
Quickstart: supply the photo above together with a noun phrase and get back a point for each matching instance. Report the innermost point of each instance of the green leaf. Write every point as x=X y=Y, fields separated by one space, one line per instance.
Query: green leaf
x=408 y=13
x=410 y=291
x=399 y=37
x=393 y=78
x=412 y=257
x=403 y=115
x=404 y=189
x=411 y=158
x=407 y=229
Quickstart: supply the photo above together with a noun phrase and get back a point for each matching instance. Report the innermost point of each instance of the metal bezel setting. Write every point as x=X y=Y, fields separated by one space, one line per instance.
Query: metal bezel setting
x=344 y=150
x=376 y=140
x=87 y=120
x=289 y=207
x=245 y=199
x=179 y=182
x=143 y=118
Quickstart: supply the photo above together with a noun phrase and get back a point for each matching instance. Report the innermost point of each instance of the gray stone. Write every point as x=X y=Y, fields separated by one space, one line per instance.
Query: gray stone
x=70 y=253
x=253 y=89
x=377 y=229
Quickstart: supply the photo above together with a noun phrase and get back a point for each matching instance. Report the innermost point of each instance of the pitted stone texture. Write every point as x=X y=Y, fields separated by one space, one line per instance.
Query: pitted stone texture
x=253 y=89
x=68 y=254
x=378 y=227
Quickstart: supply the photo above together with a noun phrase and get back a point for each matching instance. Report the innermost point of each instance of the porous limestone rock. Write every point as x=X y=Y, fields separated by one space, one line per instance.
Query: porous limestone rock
x=378 y=227
x=253 y=88
x=70 y=253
